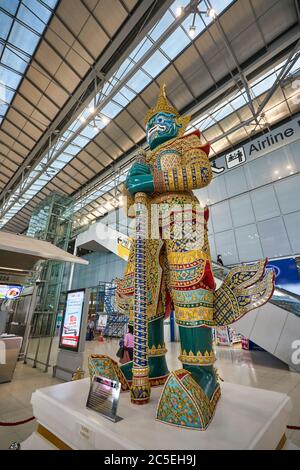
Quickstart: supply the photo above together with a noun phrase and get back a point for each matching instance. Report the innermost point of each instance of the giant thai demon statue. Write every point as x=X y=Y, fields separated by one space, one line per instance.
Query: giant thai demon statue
x=179 y=272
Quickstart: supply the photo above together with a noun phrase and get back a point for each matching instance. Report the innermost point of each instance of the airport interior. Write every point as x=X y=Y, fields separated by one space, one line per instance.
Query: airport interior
x=149 y=225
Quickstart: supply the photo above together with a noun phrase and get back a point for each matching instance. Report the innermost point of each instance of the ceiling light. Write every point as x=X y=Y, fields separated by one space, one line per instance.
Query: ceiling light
x=96 y=129
x=276 y=172
x=179 y=11
x=288 y=167
x=92 y=109
x=82 y=119
x=211 y=13
x=192 y=31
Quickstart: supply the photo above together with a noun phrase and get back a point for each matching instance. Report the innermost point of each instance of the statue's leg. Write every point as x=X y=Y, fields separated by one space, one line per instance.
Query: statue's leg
x=197 y=357
x=158 y=370
x=190 y=395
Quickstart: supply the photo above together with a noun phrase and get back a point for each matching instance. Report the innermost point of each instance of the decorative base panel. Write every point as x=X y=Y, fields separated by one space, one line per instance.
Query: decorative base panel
x=184 y=404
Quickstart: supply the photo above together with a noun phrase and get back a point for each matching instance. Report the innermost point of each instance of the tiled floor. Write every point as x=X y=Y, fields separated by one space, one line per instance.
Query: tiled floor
x=254 y=369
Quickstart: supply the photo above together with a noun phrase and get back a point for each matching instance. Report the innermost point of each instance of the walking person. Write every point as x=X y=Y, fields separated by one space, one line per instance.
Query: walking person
x=128 y=346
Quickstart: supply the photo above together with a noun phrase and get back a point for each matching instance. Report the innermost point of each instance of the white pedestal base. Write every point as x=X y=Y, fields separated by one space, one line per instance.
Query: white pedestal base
x=246 y=418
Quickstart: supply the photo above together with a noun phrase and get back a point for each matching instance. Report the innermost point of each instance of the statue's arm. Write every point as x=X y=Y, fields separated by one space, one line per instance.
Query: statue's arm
x=195 y=172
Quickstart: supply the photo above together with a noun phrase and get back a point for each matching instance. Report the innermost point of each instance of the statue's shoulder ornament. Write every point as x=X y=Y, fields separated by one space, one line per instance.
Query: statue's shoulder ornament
x=194 y=140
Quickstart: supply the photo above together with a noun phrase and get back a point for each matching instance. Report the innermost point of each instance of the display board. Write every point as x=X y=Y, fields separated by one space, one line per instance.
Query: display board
x=70 y=328
x=10 y=291
x=104 y=397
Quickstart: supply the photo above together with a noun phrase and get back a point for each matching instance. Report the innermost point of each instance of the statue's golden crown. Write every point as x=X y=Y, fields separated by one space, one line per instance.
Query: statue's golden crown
x=162 y=105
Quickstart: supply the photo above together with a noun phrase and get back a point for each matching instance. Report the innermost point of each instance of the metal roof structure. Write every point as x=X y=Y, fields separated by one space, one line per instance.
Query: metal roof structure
x=74 y=118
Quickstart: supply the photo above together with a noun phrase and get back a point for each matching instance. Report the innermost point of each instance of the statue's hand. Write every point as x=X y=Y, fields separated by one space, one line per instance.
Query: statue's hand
x=140 y=183
x=139 y=169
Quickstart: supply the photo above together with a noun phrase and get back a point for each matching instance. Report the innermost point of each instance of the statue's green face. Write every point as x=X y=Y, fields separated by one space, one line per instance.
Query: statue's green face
x=161 y=128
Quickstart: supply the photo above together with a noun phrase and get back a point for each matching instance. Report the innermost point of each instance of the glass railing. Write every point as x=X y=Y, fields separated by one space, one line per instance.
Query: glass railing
x=281 y=297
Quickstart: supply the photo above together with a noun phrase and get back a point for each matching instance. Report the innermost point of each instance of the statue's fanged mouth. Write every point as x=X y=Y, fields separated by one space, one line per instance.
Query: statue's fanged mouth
x=156 y=128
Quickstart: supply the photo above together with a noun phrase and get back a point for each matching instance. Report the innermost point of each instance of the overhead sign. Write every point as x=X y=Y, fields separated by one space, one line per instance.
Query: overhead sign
x=70 y=328
x=9 y=291
x=266 y=143
x=235 y=158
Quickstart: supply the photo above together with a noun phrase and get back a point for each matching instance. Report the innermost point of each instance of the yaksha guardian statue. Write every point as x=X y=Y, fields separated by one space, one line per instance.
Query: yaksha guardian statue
x=178 y=276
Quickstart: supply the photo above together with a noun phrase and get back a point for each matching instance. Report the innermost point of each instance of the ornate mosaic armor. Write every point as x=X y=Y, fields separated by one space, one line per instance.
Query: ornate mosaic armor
x=178 y=269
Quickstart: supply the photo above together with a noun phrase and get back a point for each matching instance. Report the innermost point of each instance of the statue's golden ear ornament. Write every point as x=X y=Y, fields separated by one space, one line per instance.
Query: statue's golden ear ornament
x=183 y=122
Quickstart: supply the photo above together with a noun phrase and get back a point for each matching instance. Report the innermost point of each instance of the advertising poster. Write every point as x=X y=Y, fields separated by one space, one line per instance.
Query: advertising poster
x=9 y=292
x=102 y=321
x=286 y=274
x=222 y=336
x=70 y=331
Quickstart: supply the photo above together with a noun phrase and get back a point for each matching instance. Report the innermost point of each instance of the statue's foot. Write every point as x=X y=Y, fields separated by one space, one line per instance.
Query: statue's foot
x=184 y=403
x=105 y=366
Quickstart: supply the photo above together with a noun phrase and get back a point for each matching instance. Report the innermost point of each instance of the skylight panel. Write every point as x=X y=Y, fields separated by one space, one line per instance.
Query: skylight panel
x=175 y=43
x=72 y=149
x=129 y=94
x=155 y=64
x=111 y=109
x=3 y=109
x=5 y=25
x=8 y=77
x=239 y=101
x=14 y=60
x=124 y=68
x=40 y=10
x=220 y=5
x=31 y=20
x=65 y=158
x=206 y=123
x=264 y=85
x=162 y=25
x=140 y=50
x=222 y=112
x=81 y=141
x=23 y=38
x=58 y=164
x=10 y=6
x=139 y=81
x=121 y=99
x=6 y=95
x=89 y=132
